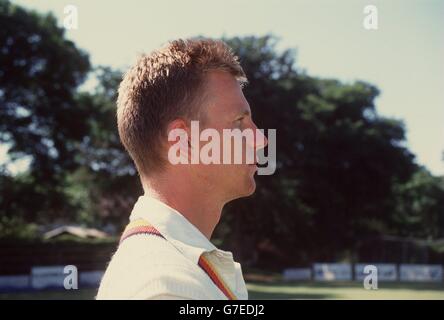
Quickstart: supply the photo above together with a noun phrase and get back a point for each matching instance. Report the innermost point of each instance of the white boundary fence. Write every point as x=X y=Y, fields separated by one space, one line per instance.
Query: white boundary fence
x=53 y=276
x=386 y=272
x=47 y=277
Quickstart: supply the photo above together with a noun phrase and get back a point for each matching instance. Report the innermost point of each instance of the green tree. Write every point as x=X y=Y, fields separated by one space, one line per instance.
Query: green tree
x=337 y=161
x=107 y=172
x=40 y=117
x=419 y=210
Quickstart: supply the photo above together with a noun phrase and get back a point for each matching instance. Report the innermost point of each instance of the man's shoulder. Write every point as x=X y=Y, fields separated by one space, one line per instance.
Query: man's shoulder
x=147 y=266
x=148 y=250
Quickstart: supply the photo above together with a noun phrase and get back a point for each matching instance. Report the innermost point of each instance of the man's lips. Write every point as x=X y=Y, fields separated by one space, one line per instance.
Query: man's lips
x=253 y=165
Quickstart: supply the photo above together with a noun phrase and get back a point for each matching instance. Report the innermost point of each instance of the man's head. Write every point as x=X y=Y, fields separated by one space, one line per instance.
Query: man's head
x=197 y=79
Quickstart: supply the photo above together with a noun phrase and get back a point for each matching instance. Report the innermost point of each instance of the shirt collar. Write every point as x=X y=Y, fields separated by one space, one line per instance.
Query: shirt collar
x=175 y=228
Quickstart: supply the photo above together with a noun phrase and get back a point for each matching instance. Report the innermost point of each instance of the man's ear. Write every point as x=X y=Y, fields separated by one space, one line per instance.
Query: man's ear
x=179 y=136
x=176 y=130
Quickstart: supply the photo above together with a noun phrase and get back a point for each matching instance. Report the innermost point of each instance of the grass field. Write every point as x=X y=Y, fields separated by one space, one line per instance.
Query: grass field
x=295 y=290
x=344 y=290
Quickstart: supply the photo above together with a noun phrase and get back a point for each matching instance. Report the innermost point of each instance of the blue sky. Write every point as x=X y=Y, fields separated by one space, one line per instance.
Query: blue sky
x=404 y=58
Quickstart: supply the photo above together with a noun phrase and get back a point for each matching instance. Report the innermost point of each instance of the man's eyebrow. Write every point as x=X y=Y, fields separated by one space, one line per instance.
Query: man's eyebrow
x=245 y=113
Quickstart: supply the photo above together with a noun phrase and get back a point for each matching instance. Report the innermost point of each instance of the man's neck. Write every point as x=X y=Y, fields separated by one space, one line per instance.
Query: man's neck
x=194 y=203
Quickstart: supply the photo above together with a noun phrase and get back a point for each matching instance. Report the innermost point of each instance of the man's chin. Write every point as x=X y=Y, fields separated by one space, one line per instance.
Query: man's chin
x=250 y=188
x=244 y=188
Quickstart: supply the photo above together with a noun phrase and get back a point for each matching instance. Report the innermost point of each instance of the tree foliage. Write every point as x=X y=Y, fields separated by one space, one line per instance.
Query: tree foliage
x=344 y=172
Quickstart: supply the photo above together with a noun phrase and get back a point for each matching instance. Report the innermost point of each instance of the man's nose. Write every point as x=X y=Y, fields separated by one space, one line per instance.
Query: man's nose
x=261 y=140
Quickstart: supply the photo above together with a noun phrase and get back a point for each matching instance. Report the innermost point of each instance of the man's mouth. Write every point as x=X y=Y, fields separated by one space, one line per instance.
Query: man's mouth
x=253 y=165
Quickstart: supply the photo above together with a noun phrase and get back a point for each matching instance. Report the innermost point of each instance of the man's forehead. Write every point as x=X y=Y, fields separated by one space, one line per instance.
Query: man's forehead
x=222 y=83
x=223 y=89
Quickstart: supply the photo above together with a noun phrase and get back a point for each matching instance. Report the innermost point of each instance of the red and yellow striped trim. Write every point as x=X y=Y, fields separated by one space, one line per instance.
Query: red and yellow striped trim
x=142 y=226
x=214 y=276
x=139 y=227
